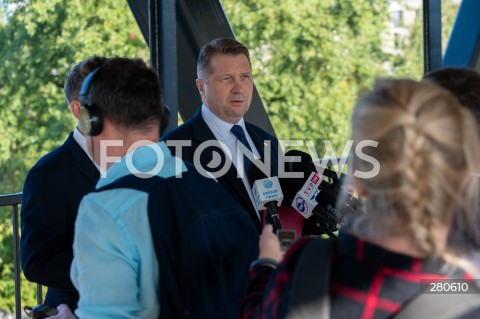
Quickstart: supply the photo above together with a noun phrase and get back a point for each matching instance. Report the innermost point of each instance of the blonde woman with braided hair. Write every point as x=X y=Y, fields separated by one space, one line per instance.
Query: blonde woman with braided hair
x=428 y=155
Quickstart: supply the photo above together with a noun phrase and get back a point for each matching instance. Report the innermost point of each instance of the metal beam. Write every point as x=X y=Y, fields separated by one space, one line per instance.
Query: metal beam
x=432 y=35
x=168 y=56
x=176 y=44
x=157 y=22
x=463 y=48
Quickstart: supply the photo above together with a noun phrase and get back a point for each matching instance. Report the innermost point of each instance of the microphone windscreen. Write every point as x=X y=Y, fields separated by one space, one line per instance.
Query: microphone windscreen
x=326 y=198
x=298 y=166
x=292 y=185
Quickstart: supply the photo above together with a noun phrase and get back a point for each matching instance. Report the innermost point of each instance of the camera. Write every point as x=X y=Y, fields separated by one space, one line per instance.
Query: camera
x=40 y=311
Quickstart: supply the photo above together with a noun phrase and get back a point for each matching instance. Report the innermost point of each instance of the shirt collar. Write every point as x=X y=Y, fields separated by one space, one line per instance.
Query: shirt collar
x=82 y=142
x=215 y=123
x=154 y=158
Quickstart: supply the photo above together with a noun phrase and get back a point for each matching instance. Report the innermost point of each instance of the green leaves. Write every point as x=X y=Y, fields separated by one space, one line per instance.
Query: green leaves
x=41 y=41
x=310 y=58
x=44 y=39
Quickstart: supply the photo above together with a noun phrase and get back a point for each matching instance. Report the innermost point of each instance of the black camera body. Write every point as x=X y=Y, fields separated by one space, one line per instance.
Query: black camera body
x=41 y=311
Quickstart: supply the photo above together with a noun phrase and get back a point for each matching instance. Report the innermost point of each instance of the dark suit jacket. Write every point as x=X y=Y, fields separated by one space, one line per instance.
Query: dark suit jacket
x=52 y=193
x=197 y=131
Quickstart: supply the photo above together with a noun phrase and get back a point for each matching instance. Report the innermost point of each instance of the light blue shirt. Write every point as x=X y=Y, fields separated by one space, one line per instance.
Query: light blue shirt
x=115 y=268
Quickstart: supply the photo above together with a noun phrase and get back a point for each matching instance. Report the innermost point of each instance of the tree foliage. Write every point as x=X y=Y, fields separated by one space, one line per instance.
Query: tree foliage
x=41 y=41
x=310 y=60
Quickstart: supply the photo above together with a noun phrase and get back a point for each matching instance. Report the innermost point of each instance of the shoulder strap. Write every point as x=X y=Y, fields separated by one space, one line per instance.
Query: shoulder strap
x=441 y=306
x=311 y=281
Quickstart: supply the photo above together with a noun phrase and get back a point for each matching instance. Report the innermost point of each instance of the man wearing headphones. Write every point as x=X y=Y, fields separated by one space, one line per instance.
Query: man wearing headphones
x=52 y=193
x=155 y=237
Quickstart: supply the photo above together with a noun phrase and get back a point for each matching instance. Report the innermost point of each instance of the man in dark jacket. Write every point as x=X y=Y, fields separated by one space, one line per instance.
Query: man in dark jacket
x=52 y=193
x=225 y=84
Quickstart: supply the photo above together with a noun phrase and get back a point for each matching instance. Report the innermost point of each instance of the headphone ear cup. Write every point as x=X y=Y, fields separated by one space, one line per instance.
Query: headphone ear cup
x=90 y=120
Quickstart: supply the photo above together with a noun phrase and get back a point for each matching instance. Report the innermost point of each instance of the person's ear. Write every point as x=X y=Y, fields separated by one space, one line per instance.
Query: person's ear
x=75 y=107
x=201 y=87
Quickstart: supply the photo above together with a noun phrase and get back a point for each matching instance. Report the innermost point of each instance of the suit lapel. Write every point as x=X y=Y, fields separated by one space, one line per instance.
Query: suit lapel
x=81 y=161
x=230 y=181
x=257 y=140
x=264 y=142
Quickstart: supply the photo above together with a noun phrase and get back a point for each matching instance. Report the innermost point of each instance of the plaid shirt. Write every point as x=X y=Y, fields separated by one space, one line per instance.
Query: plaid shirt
x=367 y=282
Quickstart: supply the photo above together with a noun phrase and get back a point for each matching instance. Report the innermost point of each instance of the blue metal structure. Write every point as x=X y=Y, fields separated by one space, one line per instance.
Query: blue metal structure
x=175 y=31
x=463 y=49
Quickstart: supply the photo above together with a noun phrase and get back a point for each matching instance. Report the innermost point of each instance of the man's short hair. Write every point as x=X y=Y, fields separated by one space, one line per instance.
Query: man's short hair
x=127 y=92
x=226 y=46
x=74 y=80
x=463 y=83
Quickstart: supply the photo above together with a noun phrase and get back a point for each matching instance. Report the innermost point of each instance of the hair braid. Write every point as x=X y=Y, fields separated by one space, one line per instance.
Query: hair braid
x=424 y=162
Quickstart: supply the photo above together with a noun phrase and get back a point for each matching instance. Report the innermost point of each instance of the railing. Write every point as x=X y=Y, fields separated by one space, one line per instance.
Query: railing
x=15 y=200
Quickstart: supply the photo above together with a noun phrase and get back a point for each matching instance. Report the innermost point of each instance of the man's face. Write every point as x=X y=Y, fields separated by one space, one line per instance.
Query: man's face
x=227 y=91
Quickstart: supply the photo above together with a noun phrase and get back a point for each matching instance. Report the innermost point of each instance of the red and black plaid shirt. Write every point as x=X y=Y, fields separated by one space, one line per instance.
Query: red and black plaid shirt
x=367 y=282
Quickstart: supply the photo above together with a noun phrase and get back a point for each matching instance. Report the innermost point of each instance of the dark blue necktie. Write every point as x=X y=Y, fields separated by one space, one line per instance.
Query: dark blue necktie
x=237 y=130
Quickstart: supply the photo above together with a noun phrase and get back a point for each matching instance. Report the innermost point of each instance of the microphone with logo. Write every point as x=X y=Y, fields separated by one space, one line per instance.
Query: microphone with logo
x=317 y=197
x=304 y=199
x=268 y=195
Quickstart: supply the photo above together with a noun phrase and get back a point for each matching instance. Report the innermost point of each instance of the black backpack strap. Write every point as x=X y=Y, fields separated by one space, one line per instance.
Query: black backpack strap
x=441 y=306
x=311 y=281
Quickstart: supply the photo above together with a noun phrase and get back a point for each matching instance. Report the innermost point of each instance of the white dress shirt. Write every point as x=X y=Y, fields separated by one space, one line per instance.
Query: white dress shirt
x=82 y=141
x=221 y=131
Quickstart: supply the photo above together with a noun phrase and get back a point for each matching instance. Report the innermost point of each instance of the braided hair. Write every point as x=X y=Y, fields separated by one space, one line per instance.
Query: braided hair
x=428 y=152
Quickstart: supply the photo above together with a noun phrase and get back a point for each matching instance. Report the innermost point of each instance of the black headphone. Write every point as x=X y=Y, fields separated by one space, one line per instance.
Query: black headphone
x=90 y=121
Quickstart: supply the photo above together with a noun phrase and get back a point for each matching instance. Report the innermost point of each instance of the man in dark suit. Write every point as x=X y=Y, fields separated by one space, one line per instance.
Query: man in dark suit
x=225 y=83
x=52 y=193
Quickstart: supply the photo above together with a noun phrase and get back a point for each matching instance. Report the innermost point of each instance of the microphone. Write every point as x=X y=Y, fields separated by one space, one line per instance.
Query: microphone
x=304 y=200
x=268 y=195
x=330 y=220
x=291 y=185
x=329 y=217
x=306 y=164
x=317 y=196
x=300 y=192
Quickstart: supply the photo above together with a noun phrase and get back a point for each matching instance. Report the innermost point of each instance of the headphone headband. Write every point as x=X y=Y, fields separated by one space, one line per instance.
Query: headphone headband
x=85 y=90
x=90 y=120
